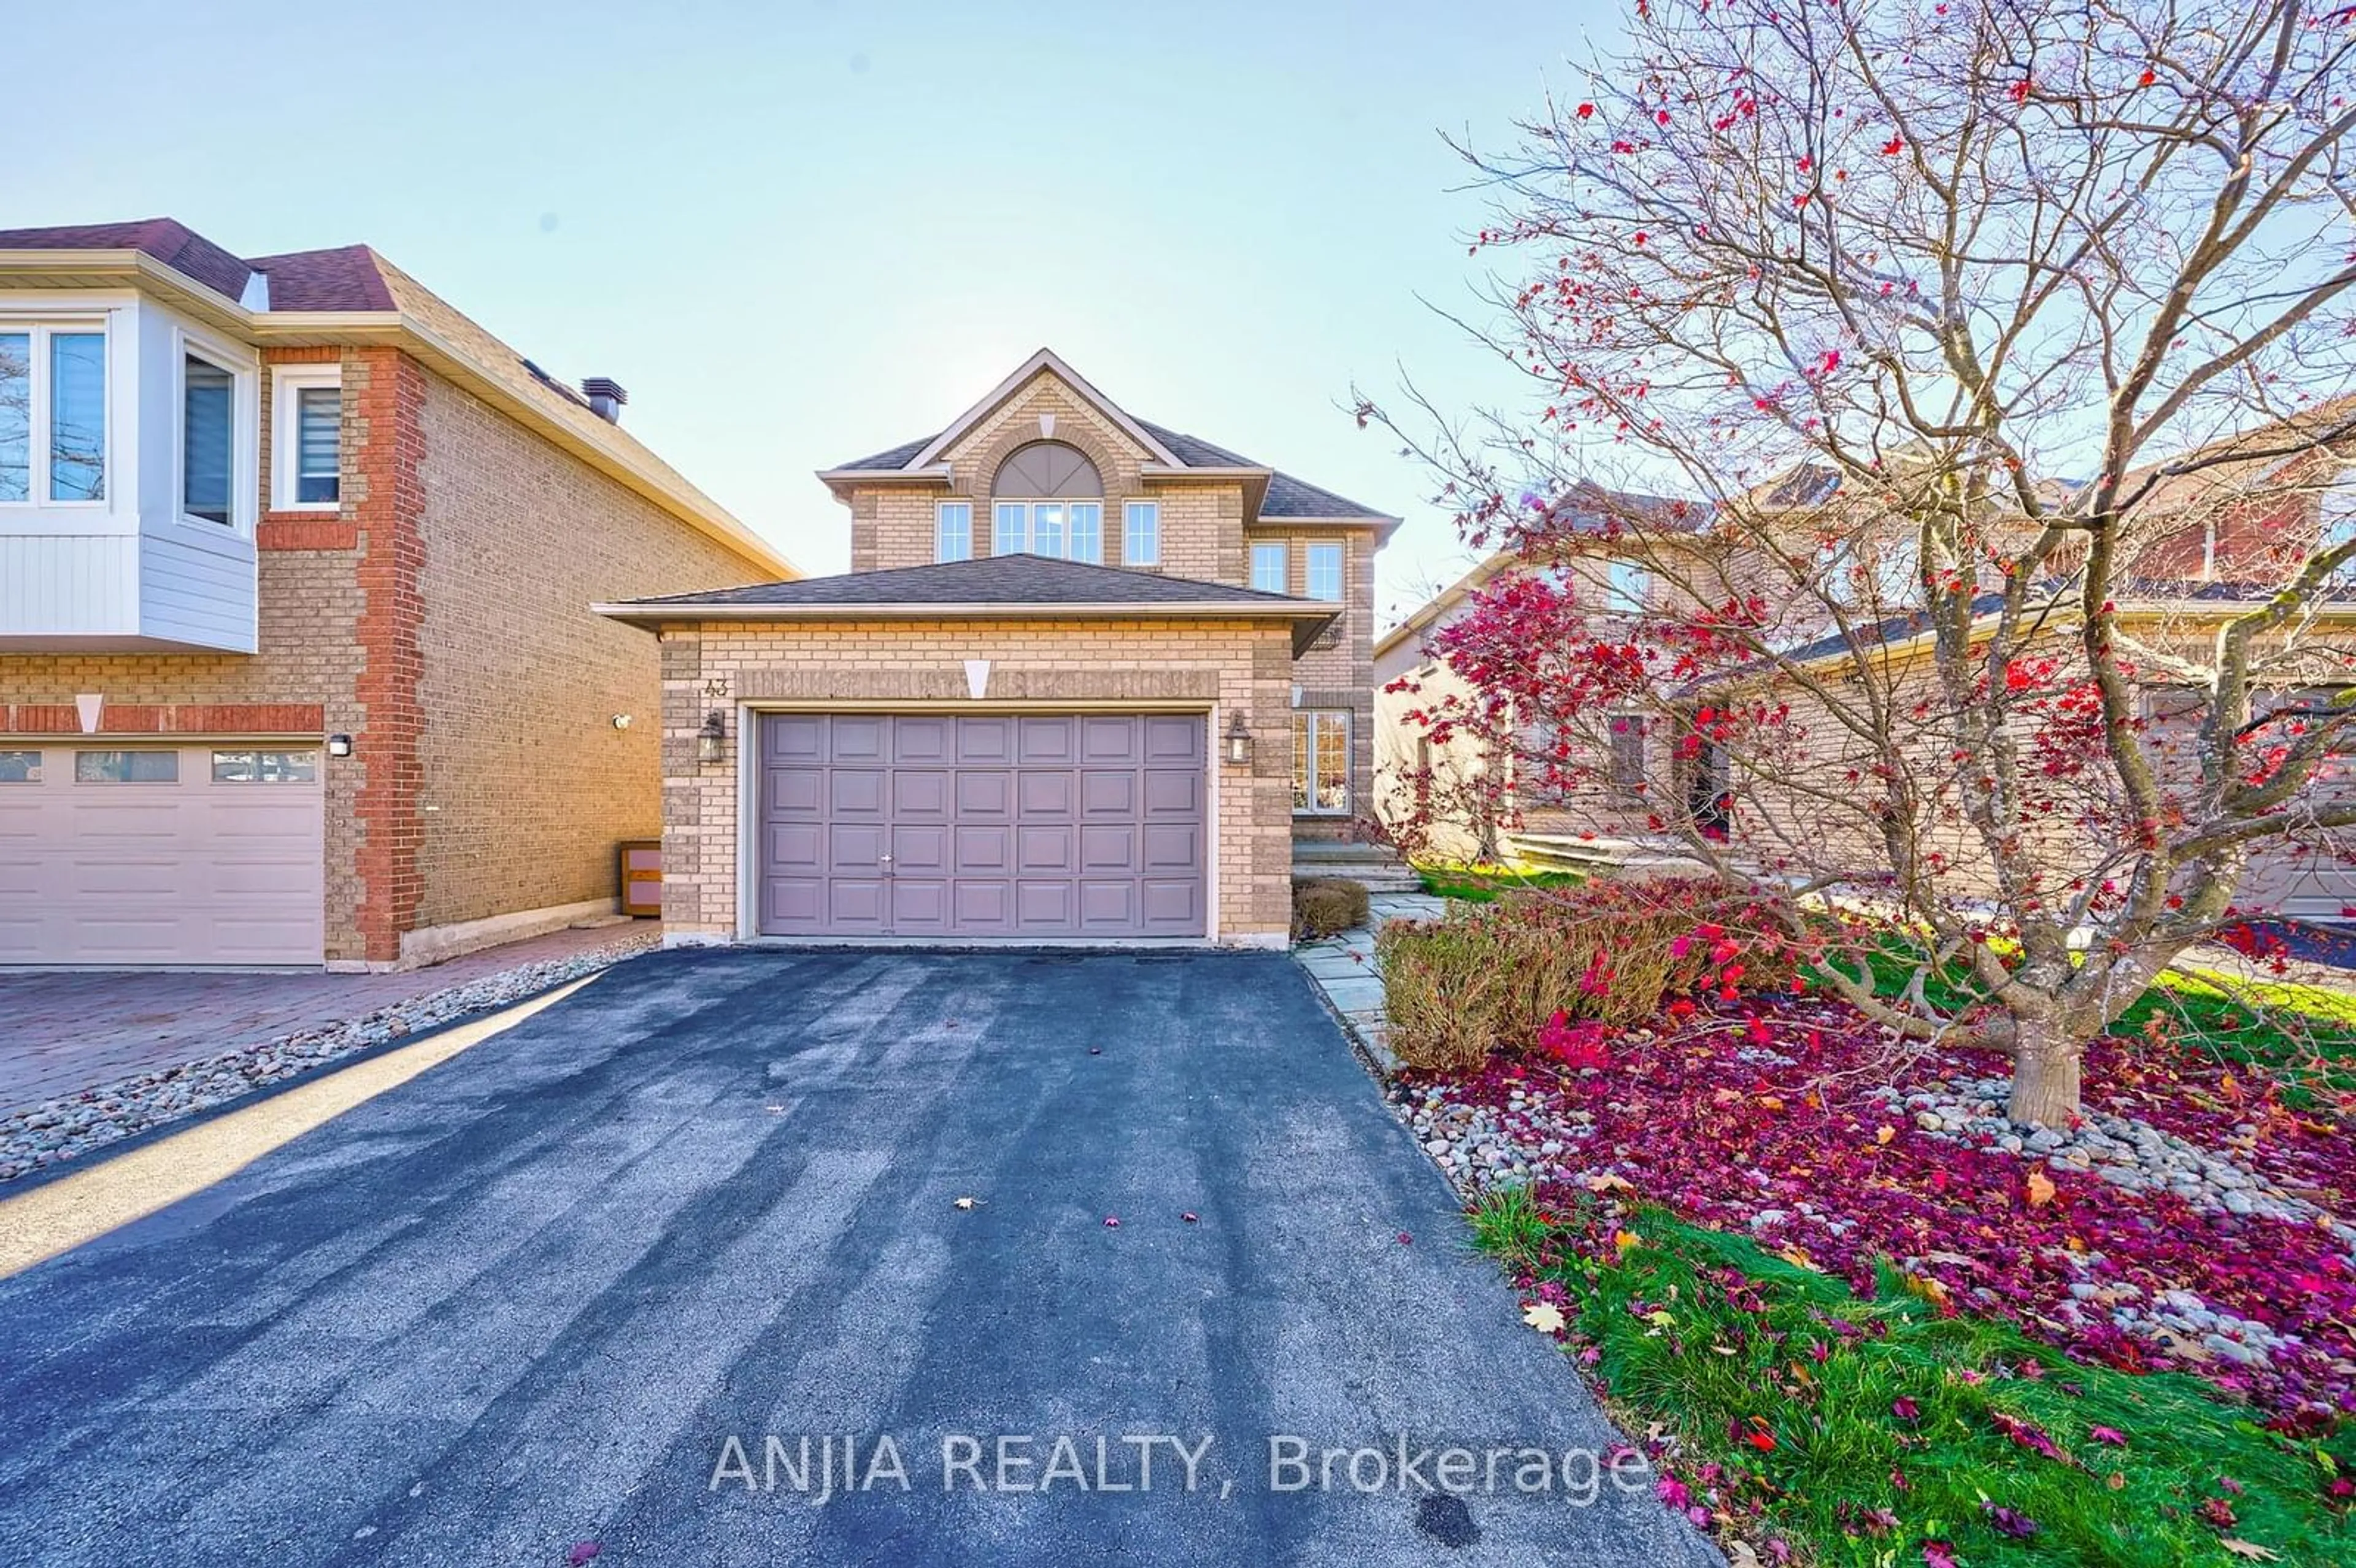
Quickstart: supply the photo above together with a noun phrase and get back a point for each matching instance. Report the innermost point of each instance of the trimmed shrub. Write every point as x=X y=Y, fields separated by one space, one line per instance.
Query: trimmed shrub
x=1326 y=906
x=1496 y=974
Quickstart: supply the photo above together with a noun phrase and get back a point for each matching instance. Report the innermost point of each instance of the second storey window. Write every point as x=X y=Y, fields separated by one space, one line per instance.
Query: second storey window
x=1269 y=569
x=1628 y=587
x=1140 y=540
x=1326 y=571
x=52 y=413
x=1067 y=530
x=207 y=439
x=953 y=531
x=307 y=425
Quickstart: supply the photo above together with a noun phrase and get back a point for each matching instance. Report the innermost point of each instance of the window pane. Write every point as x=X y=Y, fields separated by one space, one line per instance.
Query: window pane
x=265 y=767
x=78 y=416
x=204 y=439
x=1142 y=544
x=318 y=436
x=20 y=767
x=1326 y=571
x=15 y=416
x=1332 y=762
x=1047 y=528
x=126 y=767
x=1267 y=567
x=1088 y=531
x=1300 y=761
x=953 y=531
x=1629 y=588
x=1008 y=531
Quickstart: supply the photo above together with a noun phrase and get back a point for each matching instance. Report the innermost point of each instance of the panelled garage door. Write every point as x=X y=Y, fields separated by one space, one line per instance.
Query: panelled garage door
x=199 y=855
x=990 y=826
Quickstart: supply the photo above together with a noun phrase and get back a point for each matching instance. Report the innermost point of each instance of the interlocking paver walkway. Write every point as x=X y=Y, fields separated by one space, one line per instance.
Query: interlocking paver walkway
x=1343 y=967
x=68 y=1031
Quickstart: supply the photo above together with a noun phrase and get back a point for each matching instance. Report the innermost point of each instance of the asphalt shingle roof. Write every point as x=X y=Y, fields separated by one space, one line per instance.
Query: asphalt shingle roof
x=1287 y=496
x=991 y=580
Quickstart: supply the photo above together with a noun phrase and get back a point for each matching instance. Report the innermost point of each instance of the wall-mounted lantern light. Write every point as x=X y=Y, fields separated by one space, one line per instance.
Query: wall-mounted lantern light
x=339 y=745
x=1239 y=740
x=711 y=741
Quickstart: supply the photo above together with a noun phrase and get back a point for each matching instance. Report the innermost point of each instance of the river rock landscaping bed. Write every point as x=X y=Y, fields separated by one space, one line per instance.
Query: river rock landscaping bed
x=2188 y=1221
x=69 y=1127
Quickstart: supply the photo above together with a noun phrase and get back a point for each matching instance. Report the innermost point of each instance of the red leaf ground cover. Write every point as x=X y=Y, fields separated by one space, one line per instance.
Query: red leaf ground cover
x=1786 y=1143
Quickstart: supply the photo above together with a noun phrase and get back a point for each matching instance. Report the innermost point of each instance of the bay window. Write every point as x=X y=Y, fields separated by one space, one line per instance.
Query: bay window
x=1321 y=761
x=52 y=413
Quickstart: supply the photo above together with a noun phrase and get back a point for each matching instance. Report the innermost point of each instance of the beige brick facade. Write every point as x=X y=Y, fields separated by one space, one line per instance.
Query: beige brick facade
x=1204 y=535
x=1215 y=667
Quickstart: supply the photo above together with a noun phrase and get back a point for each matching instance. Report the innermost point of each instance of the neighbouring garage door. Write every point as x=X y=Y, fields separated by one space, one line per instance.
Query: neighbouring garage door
x=160 y=855
x=1021 y=825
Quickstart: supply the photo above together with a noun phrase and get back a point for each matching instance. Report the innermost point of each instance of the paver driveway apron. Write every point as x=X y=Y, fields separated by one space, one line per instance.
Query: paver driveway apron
x=524 y=1300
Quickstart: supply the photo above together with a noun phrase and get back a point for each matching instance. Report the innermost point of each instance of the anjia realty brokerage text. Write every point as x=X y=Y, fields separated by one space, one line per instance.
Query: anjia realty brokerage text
x=819 y=1468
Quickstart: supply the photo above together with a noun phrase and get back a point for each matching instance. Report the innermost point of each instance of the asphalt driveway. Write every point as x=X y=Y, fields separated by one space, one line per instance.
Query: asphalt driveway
x=525 y=1301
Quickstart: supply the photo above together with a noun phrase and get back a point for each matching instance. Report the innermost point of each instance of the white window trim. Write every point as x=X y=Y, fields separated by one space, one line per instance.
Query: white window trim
x=287 y=382
x=1030 y=525
x=1319 y=718
x=39 y=328
x=1341 y=571
x=941 y=510
x=1128 y=533
x=244 y=430
x=1285 y=550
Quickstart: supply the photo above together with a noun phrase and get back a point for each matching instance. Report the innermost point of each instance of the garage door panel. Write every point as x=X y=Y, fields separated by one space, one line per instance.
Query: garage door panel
x=1107 y=794
x=856 y=791
x=982 y=906
x=156 y=879
x=1106 y=848
x=792 y=737
x=1032 y=825
x=1043 y=741
x=797 y=792
x=985 y=849
x=1109 y=907
x=920 y=793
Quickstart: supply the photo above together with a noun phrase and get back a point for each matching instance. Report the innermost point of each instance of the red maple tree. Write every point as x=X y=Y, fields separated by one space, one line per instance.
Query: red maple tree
x=1968 y=381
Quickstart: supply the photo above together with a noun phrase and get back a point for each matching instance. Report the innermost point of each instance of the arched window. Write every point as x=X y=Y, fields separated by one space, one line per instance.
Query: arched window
x=1047 y=499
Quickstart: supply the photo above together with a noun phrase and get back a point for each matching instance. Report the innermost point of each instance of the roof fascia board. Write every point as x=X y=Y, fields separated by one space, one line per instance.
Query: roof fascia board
x=1045 y=359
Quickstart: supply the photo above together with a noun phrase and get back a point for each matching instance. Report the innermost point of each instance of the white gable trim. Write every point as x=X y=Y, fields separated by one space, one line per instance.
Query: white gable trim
x=1045 y=359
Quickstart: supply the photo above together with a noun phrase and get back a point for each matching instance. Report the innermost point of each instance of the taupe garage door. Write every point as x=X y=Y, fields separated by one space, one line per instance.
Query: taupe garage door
x=199 y=855
x=990 y=826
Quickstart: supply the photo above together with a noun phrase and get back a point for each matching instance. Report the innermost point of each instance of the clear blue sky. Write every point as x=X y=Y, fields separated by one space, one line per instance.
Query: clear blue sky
x=801 y=232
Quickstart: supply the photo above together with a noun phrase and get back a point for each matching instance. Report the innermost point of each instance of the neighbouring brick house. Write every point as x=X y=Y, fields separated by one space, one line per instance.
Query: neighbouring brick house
x=2214 y=537
x=1088 y=677
x=297 y=659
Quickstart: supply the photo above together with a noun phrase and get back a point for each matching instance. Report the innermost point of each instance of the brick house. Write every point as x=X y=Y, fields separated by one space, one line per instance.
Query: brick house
x=1088 y=678
x=297 y=662
x=2214 y=535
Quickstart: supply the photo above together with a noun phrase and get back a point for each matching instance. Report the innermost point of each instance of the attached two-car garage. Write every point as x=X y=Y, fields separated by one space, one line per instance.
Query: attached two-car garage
x=991 y=824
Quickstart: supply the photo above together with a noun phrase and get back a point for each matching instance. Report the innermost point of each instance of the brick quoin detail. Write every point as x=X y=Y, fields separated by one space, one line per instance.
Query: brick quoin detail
x=386 y=406
x=304 y=719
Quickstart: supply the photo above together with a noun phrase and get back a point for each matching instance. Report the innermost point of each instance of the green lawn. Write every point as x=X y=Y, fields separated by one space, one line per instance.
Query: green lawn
x=1481 y=884
x=1857 y=1430
x=2305 y=1036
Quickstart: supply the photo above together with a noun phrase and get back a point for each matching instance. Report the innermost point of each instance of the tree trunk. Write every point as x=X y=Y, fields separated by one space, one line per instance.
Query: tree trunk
x=2045 y=1063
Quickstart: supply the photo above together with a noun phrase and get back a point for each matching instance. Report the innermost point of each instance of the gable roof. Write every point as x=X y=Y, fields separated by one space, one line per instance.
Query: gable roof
x=1011 y=586
x=1284 y=499
x=351 y=296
